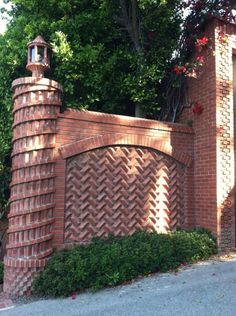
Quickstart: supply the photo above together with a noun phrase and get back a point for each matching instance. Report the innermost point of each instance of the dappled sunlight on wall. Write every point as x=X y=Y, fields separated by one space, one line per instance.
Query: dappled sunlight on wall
x=117 y=190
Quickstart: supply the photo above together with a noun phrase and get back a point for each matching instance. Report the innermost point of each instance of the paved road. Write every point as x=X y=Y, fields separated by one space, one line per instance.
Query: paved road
x=207 y=289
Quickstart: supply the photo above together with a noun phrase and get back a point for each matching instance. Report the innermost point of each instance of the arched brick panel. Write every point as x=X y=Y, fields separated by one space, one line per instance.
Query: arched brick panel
x=161 y=145
x=119 y=189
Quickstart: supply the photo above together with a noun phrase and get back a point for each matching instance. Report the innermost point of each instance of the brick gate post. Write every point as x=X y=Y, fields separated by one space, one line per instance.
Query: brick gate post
x=37 y=103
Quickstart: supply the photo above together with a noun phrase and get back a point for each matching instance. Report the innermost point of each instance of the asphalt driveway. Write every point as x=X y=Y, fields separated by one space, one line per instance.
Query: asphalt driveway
x=207 y=288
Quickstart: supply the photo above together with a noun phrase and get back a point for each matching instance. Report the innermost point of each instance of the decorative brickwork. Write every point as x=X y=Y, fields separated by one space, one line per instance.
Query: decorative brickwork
x=30 y=233
x=119 y=139
x=225 y=133
x=121 y=189
x=80 y=174
x=214 y=144
x=87 y=141
x=122 y=174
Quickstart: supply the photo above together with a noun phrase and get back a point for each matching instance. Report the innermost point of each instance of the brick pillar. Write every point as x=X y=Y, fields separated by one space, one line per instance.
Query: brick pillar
x=36 y=107
x=225 y=128
x=214 y=140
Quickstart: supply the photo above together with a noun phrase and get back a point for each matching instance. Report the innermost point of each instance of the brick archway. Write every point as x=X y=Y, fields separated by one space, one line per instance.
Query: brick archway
x=99 y=141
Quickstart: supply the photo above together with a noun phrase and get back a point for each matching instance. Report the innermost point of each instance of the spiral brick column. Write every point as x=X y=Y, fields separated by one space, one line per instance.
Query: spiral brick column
x=36 y=107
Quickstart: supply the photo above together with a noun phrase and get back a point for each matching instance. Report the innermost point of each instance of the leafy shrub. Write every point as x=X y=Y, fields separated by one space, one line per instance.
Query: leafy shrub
x=202 y=230
x=1 y=272
x=118 y=259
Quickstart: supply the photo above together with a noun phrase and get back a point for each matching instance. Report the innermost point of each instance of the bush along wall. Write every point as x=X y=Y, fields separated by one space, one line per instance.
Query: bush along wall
x=118 y=259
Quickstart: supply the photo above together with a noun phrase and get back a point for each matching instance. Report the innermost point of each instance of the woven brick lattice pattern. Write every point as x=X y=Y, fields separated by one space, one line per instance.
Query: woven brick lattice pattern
x=19 y=280
x=121 y=189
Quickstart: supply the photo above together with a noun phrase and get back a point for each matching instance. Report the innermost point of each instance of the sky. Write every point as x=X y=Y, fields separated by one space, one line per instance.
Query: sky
x=2 y=21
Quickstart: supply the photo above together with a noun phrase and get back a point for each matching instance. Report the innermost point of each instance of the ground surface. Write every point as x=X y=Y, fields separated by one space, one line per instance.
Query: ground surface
x=208 y=288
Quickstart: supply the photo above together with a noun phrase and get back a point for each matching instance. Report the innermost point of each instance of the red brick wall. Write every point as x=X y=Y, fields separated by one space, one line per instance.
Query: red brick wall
x=194 y=180
x=79 y=132
x=214 y=136
x=45 y=142
x=203 y=90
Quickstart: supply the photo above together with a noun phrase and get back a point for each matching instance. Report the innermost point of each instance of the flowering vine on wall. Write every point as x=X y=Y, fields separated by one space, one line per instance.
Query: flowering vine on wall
x=191 y=56
x=191 y=69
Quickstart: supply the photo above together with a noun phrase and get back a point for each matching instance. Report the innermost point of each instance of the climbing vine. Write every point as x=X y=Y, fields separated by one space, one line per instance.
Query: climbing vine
x=192 y=44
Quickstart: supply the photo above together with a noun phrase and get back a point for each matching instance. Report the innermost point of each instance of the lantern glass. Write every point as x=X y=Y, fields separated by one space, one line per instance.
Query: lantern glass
x=32 y=54
x=40 y=54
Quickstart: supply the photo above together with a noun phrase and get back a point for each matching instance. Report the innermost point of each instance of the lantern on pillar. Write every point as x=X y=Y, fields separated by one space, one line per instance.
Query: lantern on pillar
x=38 y=57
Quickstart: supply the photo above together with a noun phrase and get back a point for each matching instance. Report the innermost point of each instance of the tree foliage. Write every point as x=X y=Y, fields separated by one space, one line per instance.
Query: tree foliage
x=109 y=55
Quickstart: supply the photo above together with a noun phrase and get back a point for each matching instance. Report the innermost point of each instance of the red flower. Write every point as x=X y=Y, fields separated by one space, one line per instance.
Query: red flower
x=183 y=69
x=223 y=38
x=202 y=41
x=176 y=69
x=179 y=69
x=197 y=108
x=191 y=73
x=200 y=59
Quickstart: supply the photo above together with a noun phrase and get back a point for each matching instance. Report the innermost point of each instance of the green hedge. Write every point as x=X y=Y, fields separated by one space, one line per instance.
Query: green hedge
x=117 y=259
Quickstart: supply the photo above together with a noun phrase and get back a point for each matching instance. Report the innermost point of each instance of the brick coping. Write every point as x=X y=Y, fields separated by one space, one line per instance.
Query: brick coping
x=37 y=81
x=123 y=120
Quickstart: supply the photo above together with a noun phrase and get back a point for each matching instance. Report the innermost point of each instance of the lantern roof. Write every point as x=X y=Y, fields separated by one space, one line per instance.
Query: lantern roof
x=39 y=40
